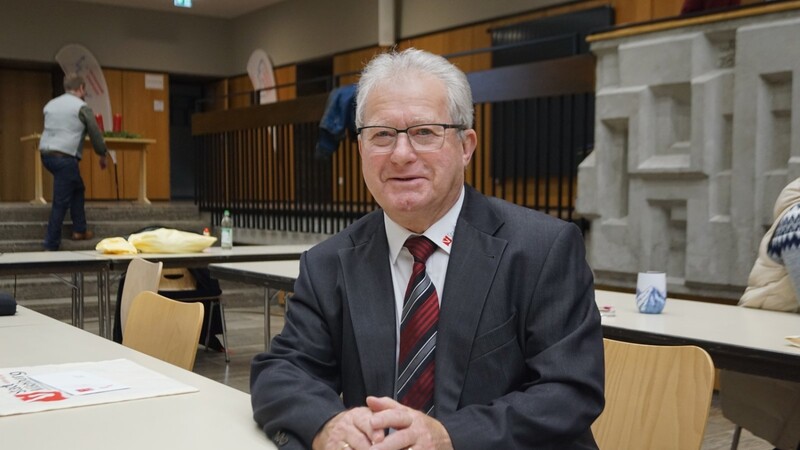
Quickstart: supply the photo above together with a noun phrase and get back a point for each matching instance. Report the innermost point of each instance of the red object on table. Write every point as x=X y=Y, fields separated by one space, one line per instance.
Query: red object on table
x=99 y=119
x=117 y=123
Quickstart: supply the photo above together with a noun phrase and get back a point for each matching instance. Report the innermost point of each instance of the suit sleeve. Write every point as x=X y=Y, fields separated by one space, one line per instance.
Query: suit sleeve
x=295 y=387
x=562 y=392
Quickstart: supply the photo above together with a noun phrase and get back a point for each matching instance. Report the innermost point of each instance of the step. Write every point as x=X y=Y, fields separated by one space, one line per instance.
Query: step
x=37 y=230
x=106 y=211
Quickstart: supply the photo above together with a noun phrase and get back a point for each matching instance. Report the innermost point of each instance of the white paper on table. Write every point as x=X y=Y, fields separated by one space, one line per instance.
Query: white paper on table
x=78 y=382
x=22 y=392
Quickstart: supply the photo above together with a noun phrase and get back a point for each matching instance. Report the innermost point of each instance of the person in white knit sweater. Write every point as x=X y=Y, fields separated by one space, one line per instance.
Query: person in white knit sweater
x=767 y=407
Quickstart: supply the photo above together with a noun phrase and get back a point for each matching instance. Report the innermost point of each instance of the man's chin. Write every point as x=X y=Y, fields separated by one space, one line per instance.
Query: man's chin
x=404 y=203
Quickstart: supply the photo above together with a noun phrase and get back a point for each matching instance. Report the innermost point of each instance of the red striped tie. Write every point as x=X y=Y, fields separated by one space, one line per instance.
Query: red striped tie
x=418 y=326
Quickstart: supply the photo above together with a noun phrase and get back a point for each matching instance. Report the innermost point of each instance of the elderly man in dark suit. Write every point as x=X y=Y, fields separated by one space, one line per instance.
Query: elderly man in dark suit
x=444 y=320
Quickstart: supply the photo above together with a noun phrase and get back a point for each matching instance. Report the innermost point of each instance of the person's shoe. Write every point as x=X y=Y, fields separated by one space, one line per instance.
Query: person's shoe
x=88 y=234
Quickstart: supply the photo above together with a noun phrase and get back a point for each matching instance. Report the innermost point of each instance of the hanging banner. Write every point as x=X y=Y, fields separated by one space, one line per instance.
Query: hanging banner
x=77 y=59
x=259 y=67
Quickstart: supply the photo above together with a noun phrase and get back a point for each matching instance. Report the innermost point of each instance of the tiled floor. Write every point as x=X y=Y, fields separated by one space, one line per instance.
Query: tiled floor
x=246 y=336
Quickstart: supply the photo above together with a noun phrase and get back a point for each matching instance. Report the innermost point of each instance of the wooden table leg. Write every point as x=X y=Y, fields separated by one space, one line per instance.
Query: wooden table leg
x=38 y=194
x=143 y=179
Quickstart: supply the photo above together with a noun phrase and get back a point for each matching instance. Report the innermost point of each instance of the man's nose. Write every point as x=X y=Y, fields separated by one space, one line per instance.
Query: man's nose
x=403 y=143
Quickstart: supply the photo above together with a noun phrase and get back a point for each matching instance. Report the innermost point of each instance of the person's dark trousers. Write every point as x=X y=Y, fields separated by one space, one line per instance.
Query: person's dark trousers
x=68 y=193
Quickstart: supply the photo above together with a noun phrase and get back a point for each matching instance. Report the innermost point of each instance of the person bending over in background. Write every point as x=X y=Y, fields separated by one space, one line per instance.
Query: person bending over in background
x=453 y=319
x=67 y=120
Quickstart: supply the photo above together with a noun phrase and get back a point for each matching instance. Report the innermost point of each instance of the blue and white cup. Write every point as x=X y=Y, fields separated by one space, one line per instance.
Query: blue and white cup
x=651 y=292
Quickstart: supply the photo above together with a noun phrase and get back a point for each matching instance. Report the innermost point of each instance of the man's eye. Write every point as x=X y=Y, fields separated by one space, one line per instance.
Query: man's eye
x=384 y=134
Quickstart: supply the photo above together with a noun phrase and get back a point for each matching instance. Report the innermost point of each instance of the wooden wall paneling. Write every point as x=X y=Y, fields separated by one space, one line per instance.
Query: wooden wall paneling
x=286 y=75
x=665 y=8
x=550 y=12
x=456 y=41
x=240 y=92
x=141 y=117
x=101 y=184
x=630 y=11
x=352 y=63
x=24 y=93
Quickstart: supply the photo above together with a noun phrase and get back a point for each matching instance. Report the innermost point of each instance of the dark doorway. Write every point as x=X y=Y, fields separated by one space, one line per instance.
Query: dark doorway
x=184 y=93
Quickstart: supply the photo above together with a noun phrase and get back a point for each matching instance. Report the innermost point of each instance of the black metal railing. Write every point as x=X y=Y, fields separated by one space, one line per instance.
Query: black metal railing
x=534 y=122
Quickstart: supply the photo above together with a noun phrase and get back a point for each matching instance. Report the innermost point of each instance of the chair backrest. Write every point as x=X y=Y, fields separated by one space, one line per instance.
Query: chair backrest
x=141 y=276
x=656 y=397
x=164 y=328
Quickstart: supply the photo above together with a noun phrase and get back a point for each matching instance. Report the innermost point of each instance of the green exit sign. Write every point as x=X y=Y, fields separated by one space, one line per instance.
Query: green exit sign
x=183 y=3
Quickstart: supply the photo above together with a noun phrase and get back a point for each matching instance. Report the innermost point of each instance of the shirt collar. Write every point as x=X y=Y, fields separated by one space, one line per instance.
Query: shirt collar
x=440 y=233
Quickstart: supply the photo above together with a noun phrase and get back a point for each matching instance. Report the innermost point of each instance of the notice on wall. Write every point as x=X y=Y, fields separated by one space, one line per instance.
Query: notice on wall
x=154 y=81
x=158 y=105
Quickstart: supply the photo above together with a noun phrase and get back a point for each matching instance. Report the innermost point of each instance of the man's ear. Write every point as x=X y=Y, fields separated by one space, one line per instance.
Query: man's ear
x=468 y=144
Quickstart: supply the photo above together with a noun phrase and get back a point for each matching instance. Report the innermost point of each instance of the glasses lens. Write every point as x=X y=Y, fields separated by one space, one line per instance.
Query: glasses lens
x=379 y=139
x=426 y=137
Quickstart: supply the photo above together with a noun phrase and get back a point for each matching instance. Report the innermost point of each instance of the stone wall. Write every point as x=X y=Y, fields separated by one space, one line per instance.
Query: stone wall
x=696 y=133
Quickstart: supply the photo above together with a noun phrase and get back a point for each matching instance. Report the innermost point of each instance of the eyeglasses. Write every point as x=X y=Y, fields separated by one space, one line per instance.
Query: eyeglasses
x=428 y=137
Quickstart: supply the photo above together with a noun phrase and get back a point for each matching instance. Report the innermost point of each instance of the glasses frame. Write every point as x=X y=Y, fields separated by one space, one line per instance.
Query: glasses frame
x=446 y=127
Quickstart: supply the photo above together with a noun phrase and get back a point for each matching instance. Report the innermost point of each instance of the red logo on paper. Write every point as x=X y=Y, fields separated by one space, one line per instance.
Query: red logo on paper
x=447 y=240
x=41 y=396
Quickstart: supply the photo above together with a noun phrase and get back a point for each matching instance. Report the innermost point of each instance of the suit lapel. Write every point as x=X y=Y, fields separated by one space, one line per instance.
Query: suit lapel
x=370 y=297
x=473 y=263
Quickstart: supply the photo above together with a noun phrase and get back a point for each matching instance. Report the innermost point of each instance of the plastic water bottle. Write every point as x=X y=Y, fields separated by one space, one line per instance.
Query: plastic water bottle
x=227 y=231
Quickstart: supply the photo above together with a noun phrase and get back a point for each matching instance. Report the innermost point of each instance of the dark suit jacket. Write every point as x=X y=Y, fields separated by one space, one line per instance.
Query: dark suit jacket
x=519 y=356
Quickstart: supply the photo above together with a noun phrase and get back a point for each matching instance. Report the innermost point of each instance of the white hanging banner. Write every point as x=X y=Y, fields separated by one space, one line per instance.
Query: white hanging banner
x=259 y=67
x=77 y=59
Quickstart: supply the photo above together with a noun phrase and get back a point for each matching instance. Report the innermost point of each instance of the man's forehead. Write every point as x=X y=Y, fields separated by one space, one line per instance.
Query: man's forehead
x=416 y=102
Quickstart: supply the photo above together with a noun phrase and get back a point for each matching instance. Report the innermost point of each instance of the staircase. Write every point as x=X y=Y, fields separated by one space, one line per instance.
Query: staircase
x=23 y=226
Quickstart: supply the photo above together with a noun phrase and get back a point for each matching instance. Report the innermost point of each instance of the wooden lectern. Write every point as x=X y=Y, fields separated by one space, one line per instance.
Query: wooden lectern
x=118 y=144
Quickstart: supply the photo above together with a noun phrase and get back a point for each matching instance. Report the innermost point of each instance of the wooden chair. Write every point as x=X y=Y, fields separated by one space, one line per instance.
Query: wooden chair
x=163 y=328
x=657 y=397
x=179 y=284
x=141 y=276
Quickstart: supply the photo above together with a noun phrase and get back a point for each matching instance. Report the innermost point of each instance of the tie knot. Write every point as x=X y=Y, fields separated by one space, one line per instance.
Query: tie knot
x=420 y=247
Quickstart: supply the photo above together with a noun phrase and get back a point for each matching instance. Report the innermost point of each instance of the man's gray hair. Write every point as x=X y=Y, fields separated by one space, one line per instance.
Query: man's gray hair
x=395 y=65
x=73 y=82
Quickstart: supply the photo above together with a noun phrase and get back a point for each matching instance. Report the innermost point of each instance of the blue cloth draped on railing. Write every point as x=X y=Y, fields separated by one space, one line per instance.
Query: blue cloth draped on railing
x=339 y=116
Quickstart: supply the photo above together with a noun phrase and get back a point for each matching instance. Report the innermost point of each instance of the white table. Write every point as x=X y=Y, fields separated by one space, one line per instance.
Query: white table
x=53 y=263
x=198 y=259
x=278 y=275
x=216 y=417
x=737 y=338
